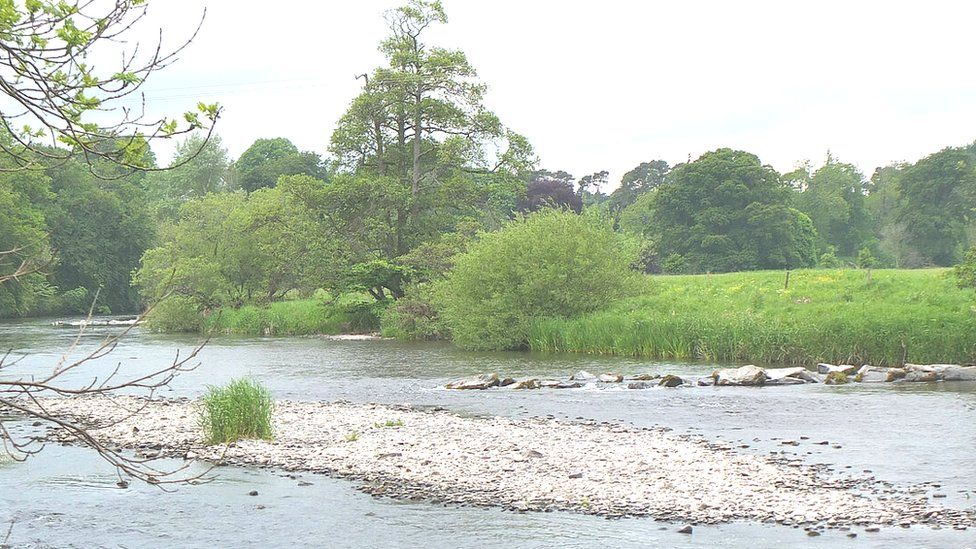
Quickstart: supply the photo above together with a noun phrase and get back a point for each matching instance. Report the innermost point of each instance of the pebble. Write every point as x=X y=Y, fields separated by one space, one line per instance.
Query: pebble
x=542 y=464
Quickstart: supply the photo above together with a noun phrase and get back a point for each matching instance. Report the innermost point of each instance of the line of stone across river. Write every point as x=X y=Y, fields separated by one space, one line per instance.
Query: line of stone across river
x=828 y=374
x=605 y=469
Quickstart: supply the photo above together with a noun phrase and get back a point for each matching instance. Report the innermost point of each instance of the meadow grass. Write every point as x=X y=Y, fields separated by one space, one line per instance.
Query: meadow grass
x=840 y=316
x=242 y=409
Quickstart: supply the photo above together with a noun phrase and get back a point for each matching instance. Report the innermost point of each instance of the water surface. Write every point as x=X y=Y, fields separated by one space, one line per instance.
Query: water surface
x=905 y=434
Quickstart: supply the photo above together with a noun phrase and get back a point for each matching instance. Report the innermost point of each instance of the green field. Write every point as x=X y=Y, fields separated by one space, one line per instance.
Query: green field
x=839 y=316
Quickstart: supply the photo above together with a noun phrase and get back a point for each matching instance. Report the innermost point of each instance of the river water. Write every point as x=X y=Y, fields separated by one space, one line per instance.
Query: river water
x=902 y=433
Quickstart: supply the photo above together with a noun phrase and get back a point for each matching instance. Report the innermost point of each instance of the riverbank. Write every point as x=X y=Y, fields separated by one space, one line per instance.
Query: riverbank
x=880 y=317
x=605 y=469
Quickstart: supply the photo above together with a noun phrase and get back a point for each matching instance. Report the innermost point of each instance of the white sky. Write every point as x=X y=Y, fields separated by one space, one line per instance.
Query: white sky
x=607 y=85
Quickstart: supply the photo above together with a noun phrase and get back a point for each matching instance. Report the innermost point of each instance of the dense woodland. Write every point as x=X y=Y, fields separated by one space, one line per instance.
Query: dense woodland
x=419 y=171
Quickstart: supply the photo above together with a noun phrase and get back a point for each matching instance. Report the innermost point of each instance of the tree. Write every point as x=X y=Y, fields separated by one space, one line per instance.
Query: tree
x=200 y=166
x=552 y=263
x=646 y=177
x=100 y=229
x=833 y=197
x=268 y=159
x=551 y=190
x=939 y=193
x=234 y=248
x=420 y=124
x=24 y=242
x=726 y=211
x=57 y=96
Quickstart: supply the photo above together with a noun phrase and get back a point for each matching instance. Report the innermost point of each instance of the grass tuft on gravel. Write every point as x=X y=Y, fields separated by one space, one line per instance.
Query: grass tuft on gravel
x=239 y=410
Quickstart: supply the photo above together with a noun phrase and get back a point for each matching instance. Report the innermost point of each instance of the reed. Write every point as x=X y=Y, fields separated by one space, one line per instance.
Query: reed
x=841 y=316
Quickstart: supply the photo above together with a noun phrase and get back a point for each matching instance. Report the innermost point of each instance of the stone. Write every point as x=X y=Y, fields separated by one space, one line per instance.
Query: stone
x=507 y=381
x=582 y=375
x=959 y=373
x=641 y=385
x=483 y=381
x=252 y=493
x=555 y=384
x=686 y=529
x=528 y=383
x=825 y=369
x=773 y=374
x=876 y=374
x=610 y=378
x=921 y=376
x=836 y=378
x=786 y=381
x=670 y=381
x=576 y=475
x=644 y=377
x=746 y=376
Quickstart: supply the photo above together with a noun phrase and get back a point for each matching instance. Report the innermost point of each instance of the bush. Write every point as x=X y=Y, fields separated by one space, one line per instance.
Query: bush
x=240 y=410
x=550 y=264
x=175 y=314
x=965 y=272
x=414 y=316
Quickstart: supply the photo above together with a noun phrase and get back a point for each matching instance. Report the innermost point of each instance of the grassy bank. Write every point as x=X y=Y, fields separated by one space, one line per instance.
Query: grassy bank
x=351 y=313
x=831 y=316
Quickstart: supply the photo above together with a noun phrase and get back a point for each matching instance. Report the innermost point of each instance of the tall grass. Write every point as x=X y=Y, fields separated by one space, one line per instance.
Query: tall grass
x=889 y=317
x=242 y=409
x=350 y=314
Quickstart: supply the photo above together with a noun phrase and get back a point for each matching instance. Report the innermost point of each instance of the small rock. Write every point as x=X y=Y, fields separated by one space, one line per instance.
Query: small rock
x=644 y=377
x=640 y=385
x=686 y=529
x=670 y=381
x=745 y=376
x=576 y=475
x=872 y=529
x=610 y=378
x=252 y=493
x=483 y=381
x=528 y=383
x=582 y=375
x=506 y=382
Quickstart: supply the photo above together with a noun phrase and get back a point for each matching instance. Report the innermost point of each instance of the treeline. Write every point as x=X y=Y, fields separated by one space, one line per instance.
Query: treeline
x=418 y=170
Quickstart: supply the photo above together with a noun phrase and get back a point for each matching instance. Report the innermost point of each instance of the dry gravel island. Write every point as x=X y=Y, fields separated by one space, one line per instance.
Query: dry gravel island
x=606 y=469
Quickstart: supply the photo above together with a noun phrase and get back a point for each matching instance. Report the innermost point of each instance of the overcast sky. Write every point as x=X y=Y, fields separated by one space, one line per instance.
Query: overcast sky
x=607 y=85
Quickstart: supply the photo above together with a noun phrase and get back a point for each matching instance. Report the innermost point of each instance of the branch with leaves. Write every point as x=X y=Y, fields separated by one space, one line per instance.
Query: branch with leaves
x=57 y=98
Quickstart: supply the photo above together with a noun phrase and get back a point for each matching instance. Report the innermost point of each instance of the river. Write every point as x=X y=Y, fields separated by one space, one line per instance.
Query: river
x=902 y=433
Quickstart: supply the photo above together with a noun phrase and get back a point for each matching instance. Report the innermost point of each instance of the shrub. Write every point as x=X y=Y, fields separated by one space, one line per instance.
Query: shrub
x=175 y=314
x=414 y=316
x=550 y=264
x=241 y=409
x=965 y=272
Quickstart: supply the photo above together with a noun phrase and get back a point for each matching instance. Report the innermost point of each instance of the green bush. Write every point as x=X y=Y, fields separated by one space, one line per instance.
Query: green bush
x=175 y=314
x=550 y=264
x=241 y=409
x=414 y=316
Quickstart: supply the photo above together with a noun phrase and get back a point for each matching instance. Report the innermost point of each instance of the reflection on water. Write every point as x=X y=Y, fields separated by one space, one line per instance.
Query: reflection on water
x=903 y=433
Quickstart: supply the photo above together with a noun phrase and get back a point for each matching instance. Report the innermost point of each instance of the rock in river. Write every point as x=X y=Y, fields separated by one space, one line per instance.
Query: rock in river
x=846 y=369
x=483 y=381
x=582 y=375
x=670 y=381
x=528 y=383
x=875 y=374
x=959 y=373
x=610 y=378
x=746 y=375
